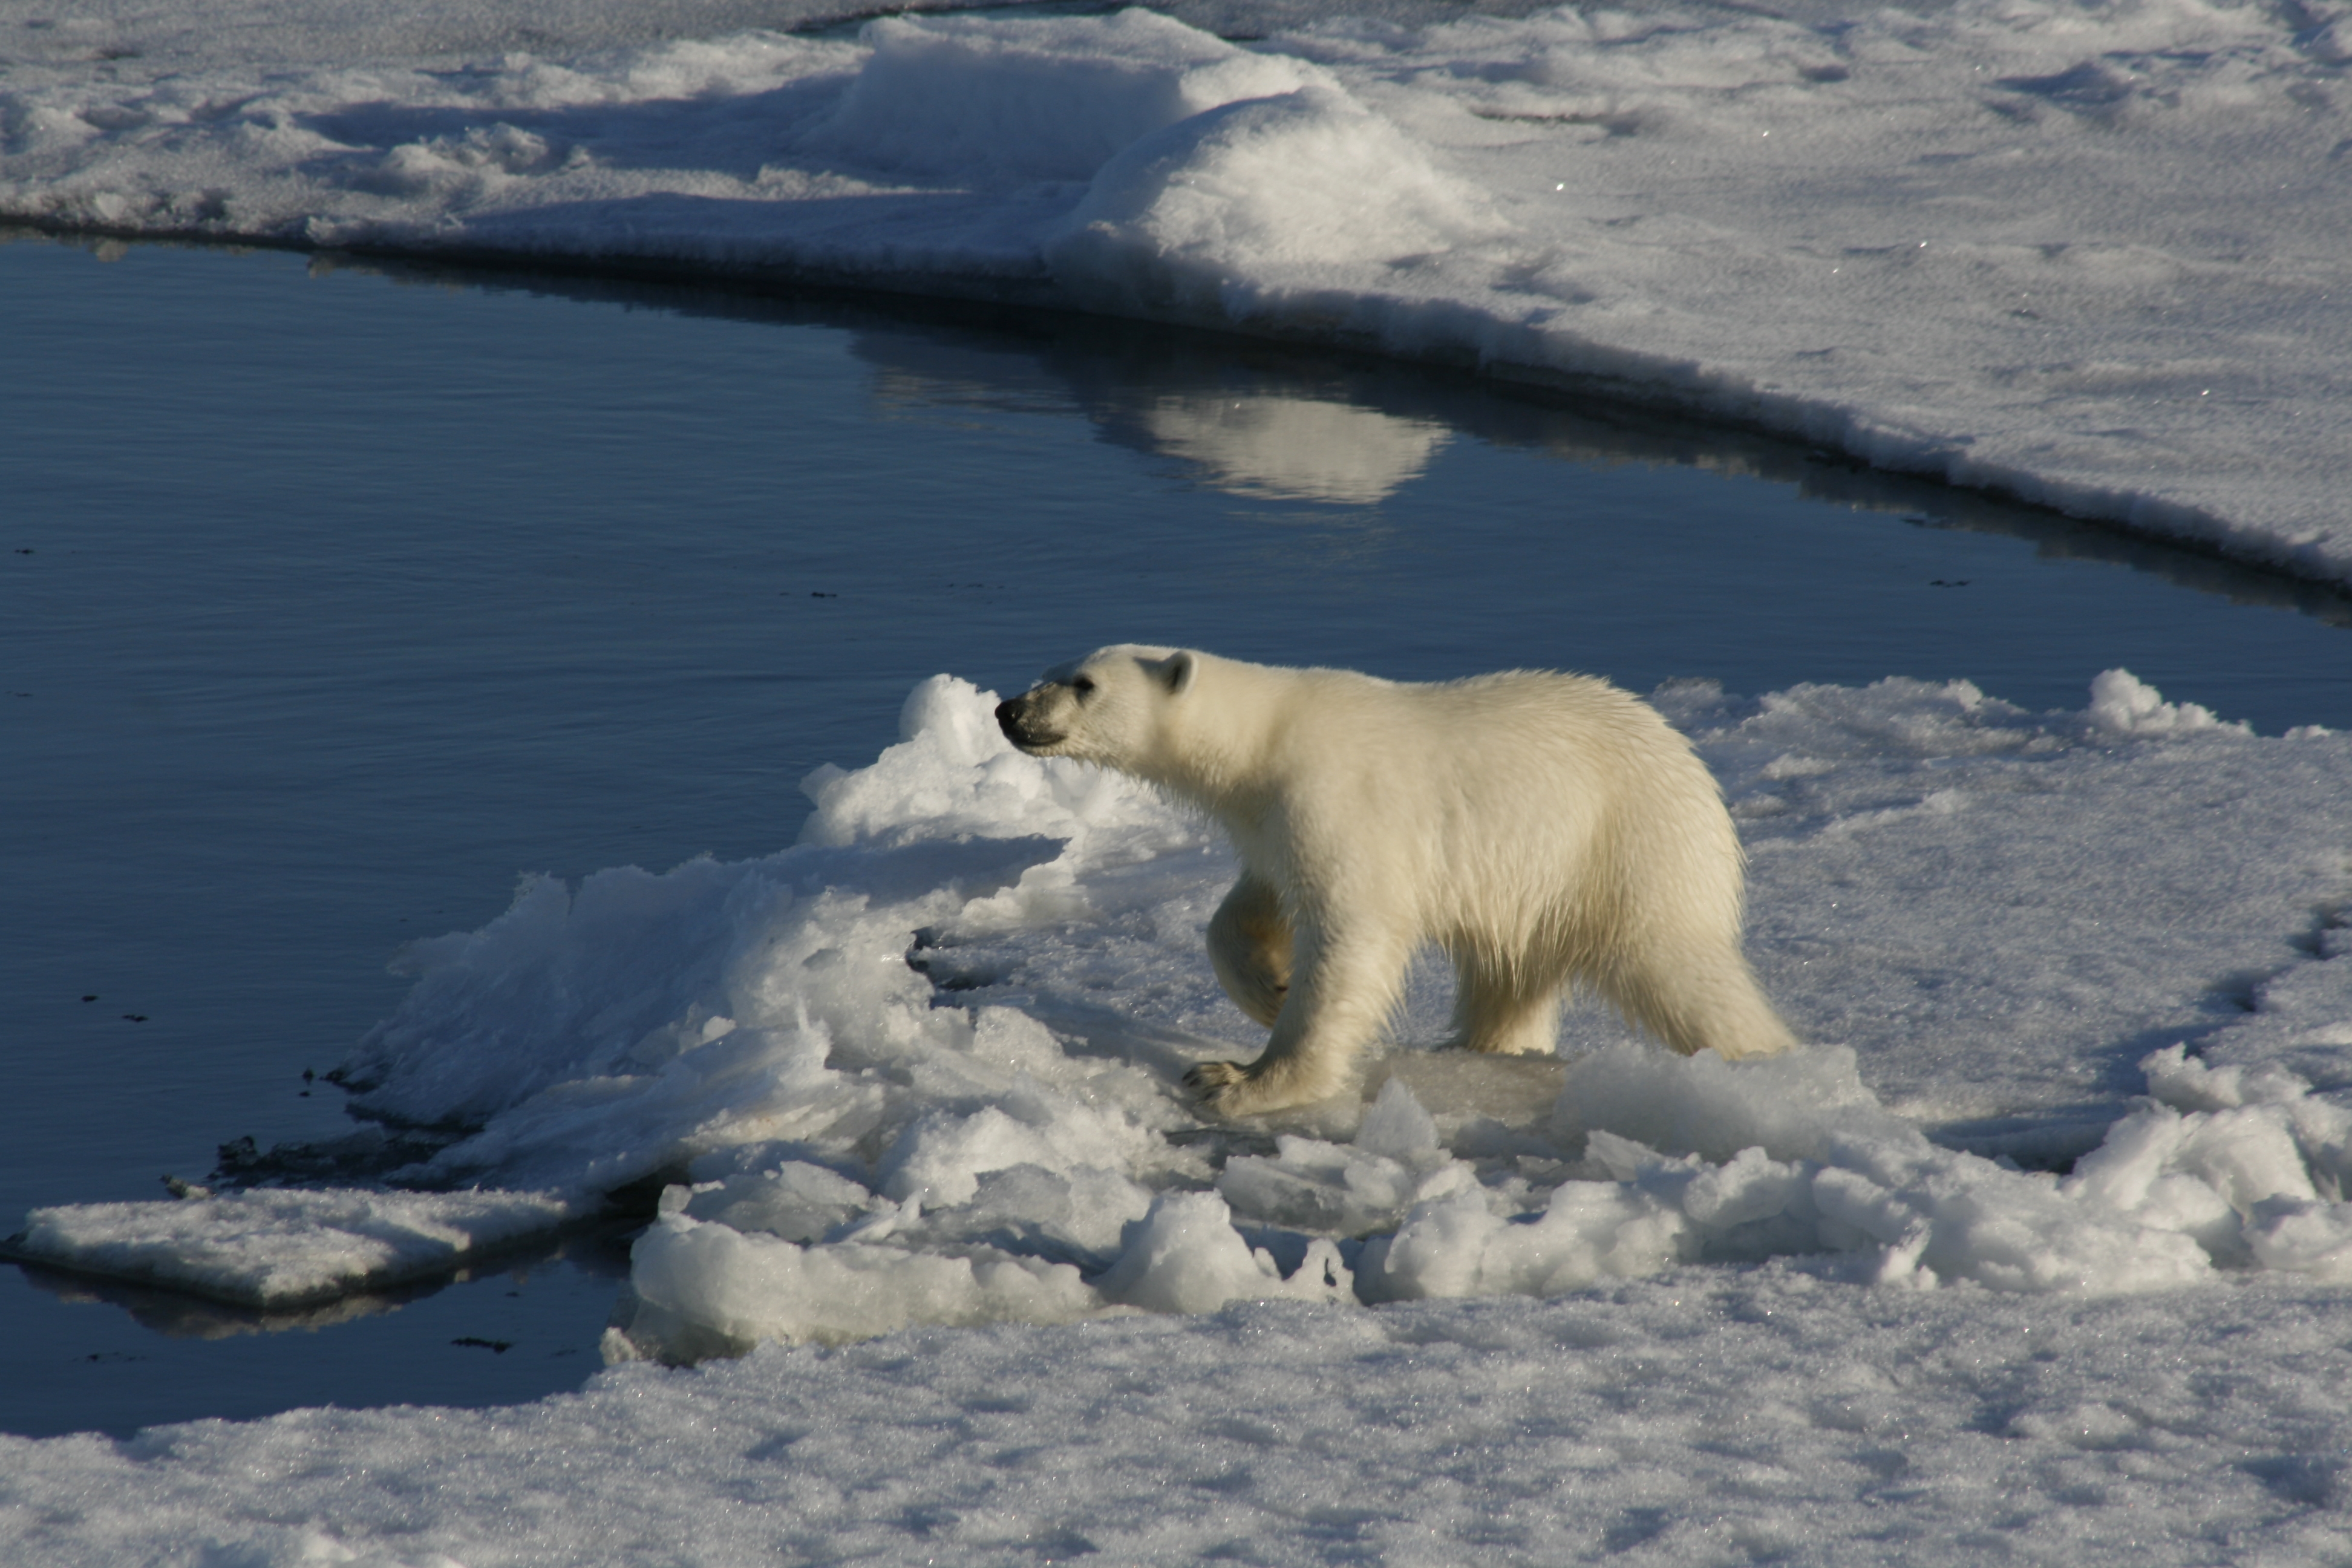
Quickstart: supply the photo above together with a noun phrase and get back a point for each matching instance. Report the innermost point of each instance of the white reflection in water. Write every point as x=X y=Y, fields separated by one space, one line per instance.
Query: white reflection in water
x=1291 y=448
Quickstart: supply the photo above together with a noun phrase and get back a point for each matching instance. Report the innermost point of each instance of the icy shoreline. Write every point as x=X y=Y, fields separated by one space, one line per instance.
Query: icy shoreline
x=920 y=1073
x=2086 y=258
x=923 y=1066
x=914 y=1079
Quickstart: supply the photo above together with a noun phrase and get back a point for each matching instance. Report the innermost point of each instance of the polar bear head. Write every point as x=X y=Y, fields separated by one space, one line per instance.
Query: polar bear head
x=1116 y=707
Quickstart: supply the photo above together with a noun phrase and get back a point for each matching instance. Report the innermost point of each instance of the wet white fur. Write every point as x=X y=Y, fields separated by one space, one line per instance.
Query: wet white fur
x=1543 y=830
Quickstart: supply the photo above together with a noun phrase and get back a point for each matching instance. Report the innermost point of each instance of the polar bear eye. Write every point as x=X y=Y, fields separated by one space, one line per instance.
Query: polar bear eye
x=1082 y=685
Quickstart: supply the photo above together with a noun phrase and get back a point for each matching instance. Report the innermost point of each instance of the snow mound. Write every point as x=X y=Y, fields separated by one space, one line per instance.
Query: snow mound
x=2123 y=704
x=954 y=774
x=1230 y=213
x=1049 y=99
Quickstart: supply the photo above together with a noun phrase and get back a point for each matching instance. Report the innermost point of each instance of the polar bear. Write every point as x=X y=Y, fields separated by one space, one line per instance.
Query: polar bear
x=1545 y=831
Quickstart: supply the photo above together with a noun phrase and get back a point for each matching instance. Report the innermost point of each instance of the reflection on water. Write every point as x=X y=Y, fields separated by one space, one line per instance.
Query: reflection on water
x=177 y=1315
x=114 y=1358
x=1294 y=449
x=1161 y=390
x=1245 y=433
x=1264 y=421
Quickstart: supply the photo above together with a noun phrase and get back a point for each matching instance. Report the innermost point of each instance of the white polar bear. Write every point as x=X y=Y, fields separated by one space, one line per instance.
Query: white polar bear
x=1543 y=830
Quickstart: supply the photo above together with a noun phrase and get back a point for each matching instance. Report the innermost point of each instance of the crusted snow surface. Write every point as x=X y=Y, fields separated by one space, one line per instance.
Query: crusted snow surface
x=1703 y=1416
x=922 y=1066
x=2094 y=255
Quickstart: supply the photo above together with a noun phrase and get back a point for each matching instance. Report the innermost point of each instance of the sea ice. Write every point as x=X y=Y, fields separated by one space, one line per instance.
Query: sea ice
x=2089 y=255
x=920 y=1069
x=920 y=1072
x=281 y=1248
x=1698 y=1417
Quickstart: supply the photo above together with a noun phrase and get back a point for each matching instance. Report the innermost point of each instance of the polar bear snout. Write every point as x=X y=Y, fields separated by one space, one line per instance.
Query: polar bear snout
x=1023 y=723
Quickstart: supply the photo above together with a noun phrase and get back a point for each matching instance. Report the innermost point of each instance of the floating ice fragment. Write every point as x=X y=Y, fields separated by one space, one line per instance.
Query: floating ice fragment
x=286 y=1247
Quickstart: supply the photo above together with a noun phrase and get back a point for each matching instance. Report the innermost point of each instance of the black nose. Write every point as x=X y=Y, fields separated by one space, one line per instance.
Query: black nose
x=1008 y=718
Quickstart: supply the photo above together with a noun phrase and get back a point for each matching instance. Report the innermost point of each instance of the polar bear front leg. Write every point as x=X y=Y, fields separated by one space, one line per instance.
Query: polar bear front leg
x=1341 y=991
x=1249 y=947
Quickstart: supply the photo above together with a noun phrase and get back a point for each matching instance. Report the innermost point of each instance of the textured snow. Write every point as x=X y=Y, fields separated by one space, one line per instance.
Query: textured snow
x=922 y=1066
x=1707 y=1417
x=2093 y=254
x=914 y=1084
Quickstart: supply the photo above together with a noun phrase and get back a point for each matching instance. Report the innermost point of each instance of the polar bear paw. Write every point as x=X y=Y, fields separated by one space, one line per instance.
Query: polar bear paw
x=1221 y=1087
x=1255 y=1088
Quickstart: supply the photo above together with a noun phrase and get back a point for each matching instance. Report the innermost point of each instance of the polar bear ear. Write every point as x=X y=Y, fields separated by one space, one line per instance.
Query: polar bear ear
x=1175 y=673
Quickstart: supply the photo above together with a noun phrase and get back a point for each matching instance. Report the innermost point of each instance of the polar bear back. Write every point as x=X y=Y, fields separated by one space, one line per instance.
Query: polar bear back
x=1516 y=809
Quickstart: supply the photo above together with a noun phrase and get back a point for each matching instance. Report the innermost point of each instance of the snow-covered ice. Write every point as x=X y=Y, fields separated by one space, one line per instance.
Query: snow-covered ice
x=1708 y=1416
x=2037 y=1253
x=2092 y=255
x=282 y=1249
x=919 y=1073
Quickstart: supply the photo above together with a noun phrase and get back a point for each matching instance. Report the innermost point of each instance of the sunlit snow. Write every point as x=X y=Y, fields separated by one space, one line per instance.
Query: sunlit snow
x=923 y=1068
x=2036 y=1252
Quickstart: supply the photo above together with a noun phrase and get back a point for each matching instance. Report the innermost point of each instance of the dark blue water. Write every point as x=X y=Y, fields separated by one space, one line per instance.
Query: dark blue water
x=332 y=599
